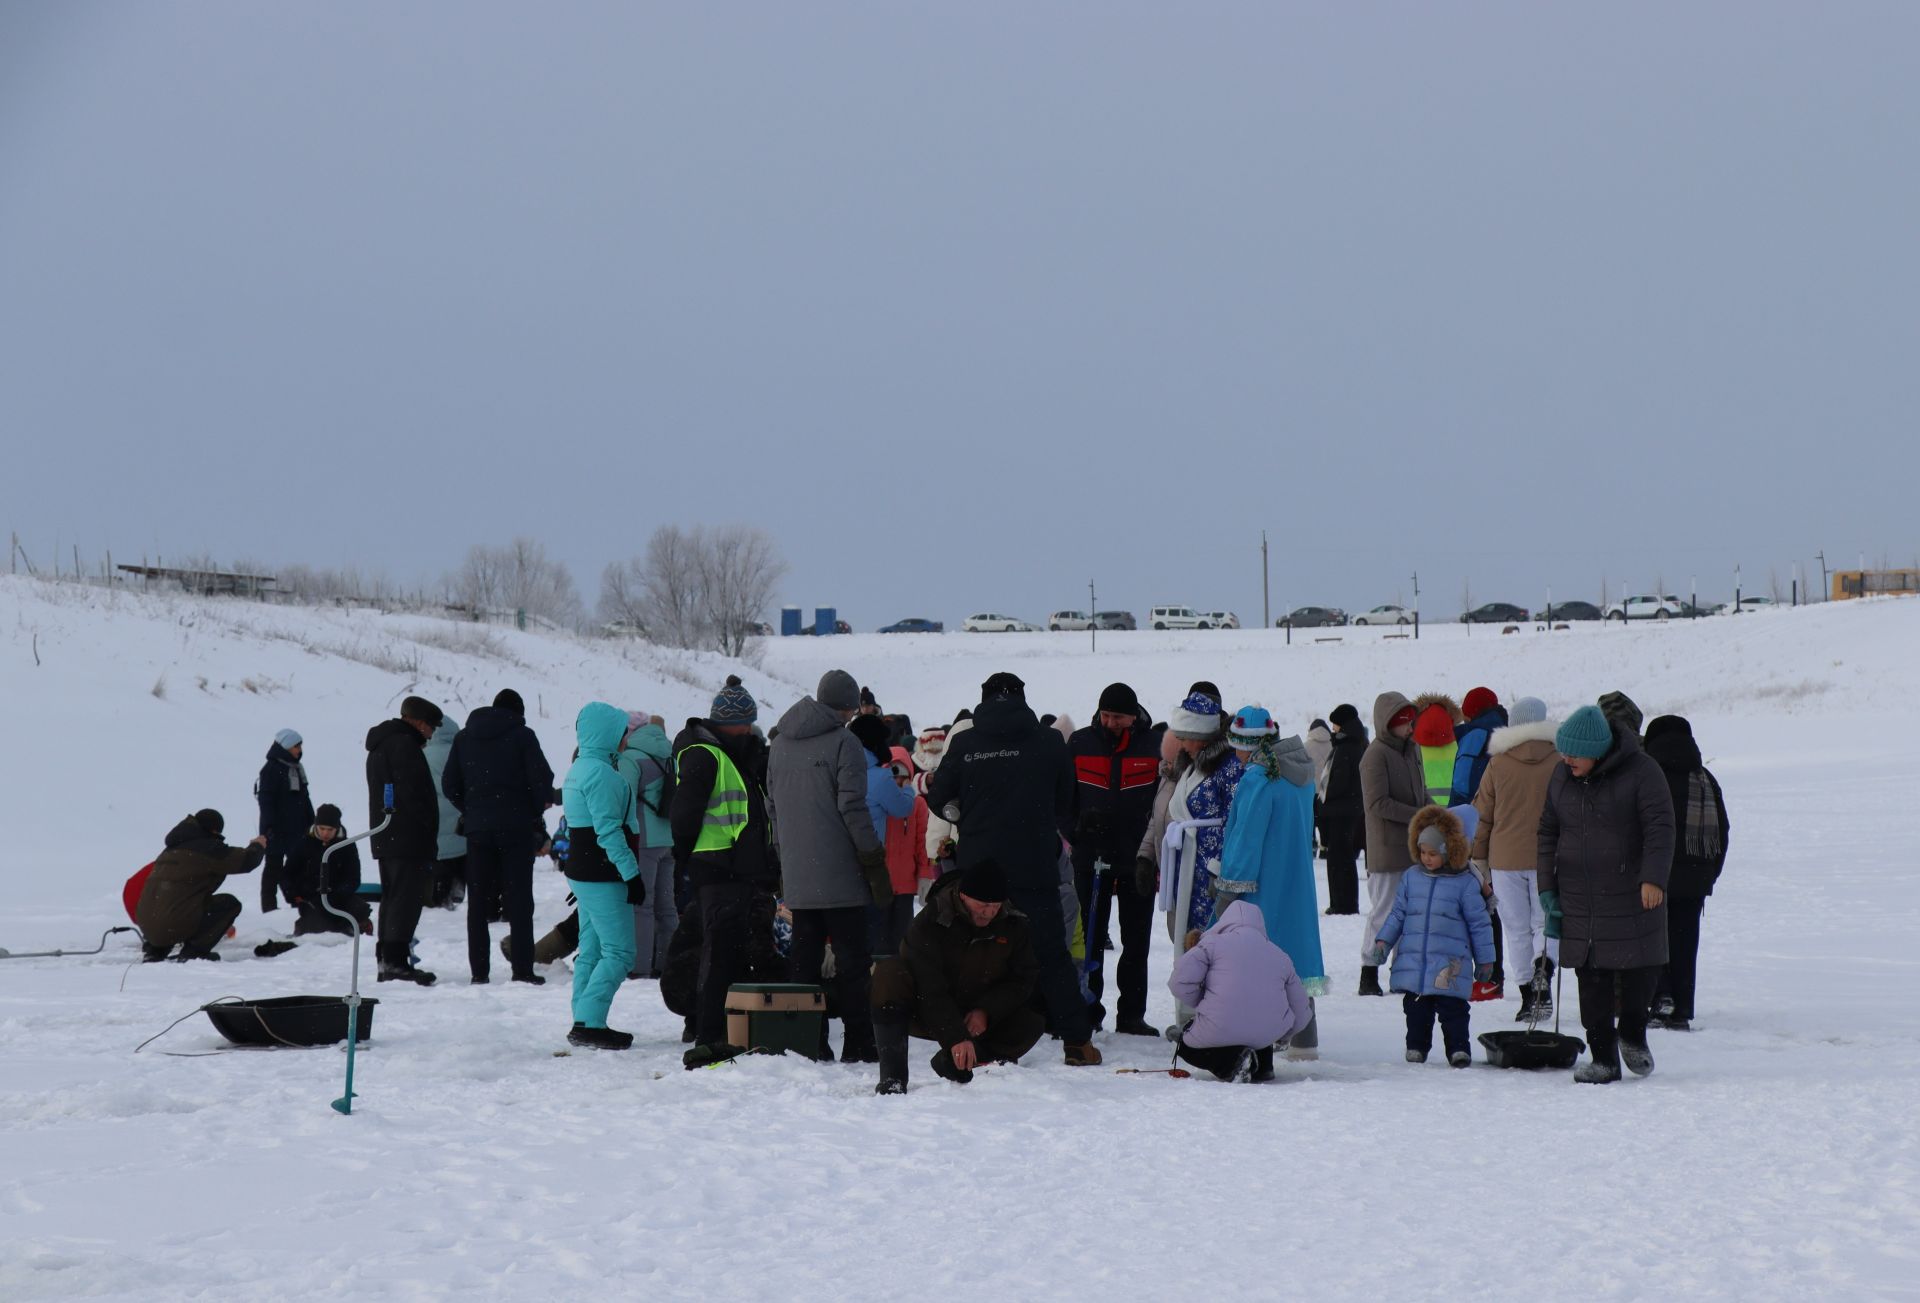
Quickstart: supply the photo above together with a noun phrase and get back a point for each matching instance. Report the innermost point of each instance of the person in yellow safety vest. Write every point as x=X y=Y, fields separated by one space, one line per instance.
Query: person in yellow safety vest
x=722 y=850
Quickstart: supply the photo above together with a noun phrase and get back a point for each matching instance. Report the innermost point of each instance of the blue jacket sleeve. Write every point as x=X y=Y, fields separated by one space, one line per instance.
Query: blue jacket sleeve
x=1397 y=918
x=894 y=800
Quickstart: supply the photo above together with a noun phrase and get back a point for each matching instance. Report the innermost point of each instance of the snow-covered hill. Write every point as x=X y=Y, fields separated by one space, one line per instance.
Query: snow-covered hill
x=1770 y=1156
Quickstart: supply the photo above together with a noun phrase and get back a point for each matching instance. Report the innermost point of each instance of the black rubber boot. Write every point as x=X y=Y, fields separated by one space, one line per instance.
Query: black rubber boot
x=1370 y=980
x=890 y=1040
x=599 y=1038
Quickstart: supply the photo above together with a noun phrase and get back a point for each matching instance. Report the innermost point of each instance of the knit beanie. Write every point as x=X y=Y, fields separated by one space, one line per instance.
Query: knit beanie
x=1479 y=702
x=1619 y=708
x=508 y=700
x=1434 y=727
x=1346 y=718
x=1207 y=689
x=1433 y=838
x=637 y=720
x=733 y=704
x=1528 y=710
x=1005 y=683
x=328 y=815
x=211 y=822
x=874 y=735
x=287 y=738
x=1251 y=726
x=838 y=691
x=1119 y=699
x=984 y=882
x=1196 y=718
x=1585 y=736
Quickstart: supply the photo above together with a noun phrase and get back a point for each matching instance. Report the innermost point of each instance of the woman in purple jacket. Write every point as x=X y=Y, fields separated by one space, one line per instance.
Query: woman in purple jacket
x=1244 y=994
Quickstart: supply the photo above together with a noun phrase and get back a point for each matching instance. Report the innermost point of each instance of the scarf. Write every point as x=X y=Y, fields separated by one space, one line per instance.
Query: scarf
x=1703 y=837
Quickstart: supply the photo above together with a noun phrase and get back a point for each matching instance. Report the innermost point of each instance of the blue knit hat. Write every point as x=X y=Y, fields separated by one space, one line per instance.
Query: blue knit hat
x=1527 y=710
x=1252 y=725
x=1196 y=717
x=1585 y=736
x=733 y=704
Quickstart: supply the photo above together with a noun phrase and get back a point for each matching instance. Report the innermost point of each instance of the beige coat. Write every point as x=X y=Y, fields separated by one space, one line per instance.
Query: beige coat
x=1392 y=787
x=1512 y=793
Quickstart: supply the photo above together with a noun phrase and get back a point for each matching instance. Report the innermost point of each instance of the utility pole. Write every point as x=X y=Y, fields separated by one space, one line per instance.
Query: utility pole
x=1736 y=589
x=1266 y=602
x=1093 y=620
x=1825 y=591
x=1416 y=606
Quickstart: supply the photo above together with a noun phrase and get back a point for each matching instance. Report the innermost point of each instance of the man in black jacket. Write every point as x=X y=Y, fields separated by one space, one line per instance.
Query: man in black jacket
x=723 y=860
x=396 y=757
x=1006 y=785
x=500 y=781
x=1343 y=812
x=1116 y=770
x=286 y=812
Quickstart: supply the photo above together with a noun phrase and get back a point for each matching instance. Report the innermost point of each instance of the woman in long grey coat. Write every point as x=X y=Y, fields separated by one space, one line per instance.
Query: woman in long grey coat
x=1606 y=848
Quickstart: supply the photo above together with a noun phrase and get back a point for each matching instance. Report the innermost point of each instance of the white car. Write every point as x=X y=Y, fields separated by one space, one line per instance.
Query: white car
x=990 y=623
x=1069 y=622
x=1177 y=617
x=1746 y=604
x=1388 y=614
x=1219 y=619
x=1648 y=606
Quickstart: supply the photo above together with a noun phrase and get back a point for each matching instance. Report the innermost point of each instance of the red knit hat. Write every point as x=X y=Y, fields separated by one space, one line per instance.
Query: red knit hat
x=1479 y=702
x=1434 y=727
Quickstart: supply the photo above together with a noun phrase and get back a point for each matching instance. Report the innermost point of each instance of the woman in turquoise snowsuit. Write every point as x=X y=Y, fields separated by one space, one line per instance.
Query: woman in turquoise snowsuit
x=600 y=864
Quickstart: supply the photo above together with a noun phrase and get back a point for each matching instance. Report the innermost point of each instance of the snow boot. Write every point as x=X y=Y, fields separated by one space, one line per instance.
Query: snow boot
x=1242 y=1068
x=531 y=979
x=187 y=954
x=1083 y=1055
x=1526 y=1005
x=1663 y=1008
x=1370 y=980
x=405 y=973
x=890 y=1042
x=1638 y=1058
x=154 y=954
x=1136 y=1027
x=943 y=1066
x=707 y=1056
x=1416 y=1056
x=599 y=1038
x=1304 y=1045
x=1675 y=1024
x=1263 y=1065
x=1602 y=1068
x=1460 y=1059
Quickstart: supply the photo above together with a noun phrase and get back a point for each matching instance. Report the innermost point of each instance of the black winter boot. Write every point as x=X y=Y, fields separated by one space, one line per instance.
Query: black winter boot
x=1526 y=1004
x=942 y=1064
x=1370 y=980
x=599 y=1038
x=1603 y=1067
x=890 y=1040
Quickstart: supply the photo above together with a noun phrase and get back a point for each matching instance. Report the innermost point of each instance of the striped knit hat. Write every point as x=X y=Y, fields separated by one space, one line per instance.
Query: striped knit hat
x=733 y=704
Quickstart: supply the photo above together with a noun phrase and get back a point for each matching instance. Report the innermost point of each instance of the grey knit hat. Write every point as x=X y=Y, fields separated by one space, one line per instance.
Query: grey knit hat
x=838 y=691
x=733 y=704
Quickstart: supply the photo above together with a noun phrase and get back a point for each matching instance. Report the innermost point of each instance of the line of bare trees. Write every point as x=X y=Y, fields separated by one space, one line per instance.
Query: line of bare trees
x=696 y=587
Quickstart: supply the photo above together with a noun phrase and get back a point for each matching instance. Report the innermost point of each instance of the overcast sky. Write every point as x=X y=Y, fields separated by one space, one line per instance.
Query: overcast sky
x=968 y=304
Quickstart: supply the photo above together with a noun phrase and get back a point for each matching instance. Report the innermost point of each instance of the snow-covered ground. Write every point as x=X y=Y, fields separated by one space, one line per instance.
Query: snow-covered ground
x=1773 y=1154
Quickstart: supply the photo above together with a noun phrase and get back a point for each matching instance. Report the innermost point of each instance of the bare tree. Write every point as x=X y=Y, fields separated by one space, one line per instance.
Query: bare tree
x=694 y=588
x=623 y=596
x=517 y=577
x=739 y=569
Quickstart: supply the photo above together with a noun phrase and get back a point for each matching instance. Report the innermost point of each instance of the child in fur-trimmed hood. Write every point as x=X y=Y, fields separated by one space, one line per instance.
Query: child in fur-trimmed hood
x=1445 y=937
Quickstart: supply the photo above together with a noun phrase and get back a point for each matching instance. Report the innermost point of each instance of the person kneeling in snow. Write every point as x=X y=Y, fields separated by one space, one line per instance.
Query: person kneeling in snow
x=178 y=906
x=964 y=976
x=1440 y=922
x=311 y=874
x=1244 y=993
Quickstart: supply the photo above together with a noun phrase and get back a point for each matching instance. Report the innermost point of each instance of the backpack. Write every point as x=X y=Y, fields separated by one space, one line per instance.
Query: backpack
x=668 y=780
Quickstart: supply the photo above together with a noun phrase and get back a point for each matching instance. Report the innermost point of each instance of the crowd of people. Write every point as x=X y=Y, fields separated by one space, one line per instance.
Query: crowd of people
x=959 y=884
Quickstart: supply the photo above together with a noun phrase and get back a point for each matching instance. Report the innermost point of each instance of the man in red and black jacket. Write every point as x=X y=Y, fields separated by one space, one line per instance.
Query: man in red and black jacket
x=1116 y=769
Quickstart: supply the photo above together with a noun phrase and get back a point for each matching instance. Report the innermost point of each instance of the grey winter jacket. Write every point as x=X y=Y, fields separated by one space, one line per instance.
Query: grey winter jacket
x=817 y=783
x=1601 y=837
x=1392 y=787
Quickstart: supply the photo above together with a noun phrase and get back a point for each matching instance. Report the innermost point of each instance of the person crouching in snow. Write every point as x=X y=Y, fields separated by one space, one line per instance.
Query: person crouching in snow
x=965 y=977
x=313 y=875
x=602 y=871
x=178 y=906
x=1440 y=922
x=1245 y=996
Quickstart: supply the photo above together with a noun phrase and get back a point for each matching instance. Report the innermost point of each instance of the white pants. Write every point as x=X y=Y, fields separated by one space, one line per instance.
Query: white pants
x=1525 y=922
x=1382 y=886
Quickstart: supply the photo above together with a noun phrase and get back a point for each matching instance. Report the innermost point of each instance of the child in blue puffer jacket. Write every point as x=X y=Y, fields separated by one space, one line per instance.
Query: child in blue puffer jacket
x=1445 y=935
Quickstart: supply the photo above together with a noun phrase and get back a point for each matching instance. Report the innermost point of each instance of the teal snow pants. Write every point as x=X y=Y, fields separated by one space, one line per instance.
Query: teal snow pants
x=606 y=949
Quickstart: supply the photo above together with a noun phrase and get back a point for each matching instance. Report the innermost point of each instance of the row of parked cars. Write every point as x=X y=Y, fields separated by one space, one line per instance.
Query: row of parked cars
x=1643 y=606
x=1161 y=617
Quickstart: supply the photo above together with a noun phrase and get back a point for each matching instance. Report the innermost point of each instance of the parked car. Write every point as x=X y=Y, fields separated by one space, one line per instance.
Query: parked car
x=987 y=622
x=1105 y=620
x=1648 y=606
x=839 y=626
x=1496 y=613
x=1312 y=617
x=1220 y=619
x=1746 y=604
x=1069 y=622
x=1176 y=617
x=1388 y=614
x=914 y=624
x=1557 y=611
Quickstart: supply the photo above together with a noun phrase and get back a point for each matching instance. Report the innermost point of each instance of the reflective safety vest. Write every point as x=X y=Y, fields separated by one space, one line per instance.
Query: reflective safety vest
x=727 y=811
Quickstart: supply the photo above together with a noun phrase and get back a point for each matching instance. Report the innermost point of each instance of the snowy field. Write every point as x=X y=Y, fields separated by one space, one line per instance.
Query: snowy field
x=1773 y=1154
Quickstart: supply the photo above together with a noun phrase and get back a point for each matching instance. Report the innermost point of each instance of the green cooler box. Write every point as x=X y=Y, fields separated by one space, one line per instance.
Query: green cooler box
x=776 y=1017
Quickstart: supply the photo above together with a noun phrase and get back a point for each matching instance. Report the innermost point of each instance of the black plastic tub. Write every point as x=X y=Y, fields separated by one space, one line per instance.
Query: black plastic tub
x=1531 y=1049
x=291 y=1020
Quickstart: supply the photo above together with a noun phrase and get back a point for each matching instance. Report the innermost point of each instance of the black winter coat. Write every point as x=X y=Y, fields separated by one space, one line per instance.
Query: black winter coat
x=496 y=774
x=1343 y=802
x=680 y=978
x=1011 y=779
x=958 y=967
x=286 y=804
x=302 y=876
x=1601 y=837
x=752 y=858
x=396 y=753
x=1114 y=781
x=1670 y=744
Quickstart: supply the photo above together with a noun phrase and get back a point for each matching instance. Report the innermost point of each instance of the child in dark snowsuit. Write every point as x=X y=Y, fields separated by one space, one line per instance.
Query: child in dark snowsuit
x=1445 y=935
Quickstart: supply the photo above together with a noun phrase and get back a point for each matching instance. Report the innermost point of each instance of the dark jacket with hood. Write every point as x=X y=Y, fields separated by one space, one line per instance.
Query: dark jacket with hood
x=958 y=967
x=173 y=907
x=1343 y=802
x=1470 y=762
x=751 y=859
x=1010 y=784
x=1114 y=781
x=817 y=780
x=307 y=866
x=1670 y=744
x=1601 y=837
x=496 y=775
x=1393 y=787
x=396 y=753
x=286 y=802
